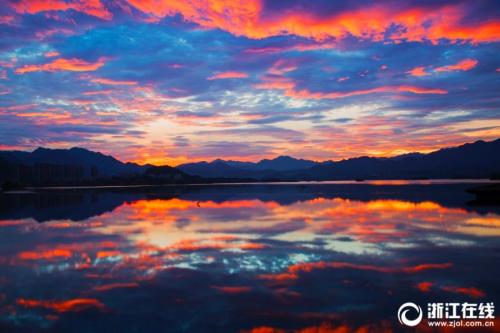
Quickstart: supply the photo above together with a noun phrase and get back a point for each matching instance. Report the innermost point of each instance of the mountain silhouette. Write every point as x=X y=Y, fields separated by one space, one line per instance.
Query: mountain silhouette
x=102 y=165
x=284 y=163
x=266 y=168
x=473 y=160
x=79 y=166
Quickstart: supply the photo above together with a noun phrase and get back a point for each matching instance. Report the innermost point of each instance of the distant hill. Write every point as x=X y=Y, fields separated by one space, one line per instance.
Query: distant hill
x=78 y=166
x=92 y=164
x=215 y=169
x=265 y=168
x=283 y=163
x=473 y=160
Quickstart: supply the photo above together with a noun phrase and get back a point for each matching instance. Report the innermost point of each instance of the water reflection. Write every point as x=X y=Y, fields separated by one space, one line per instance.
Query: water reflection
x=258 y=258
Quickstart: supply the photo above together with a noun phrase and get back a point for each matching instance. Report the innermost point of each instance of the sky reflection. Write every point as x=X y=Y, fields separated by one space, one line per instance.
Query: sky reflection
x=323 y=263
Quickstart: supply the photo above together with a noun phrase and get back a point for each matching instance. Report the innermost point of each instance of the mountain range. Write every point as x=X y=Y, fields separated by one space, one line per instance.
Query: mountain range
x=472 y=160
x=81 y=166
x=107 y=165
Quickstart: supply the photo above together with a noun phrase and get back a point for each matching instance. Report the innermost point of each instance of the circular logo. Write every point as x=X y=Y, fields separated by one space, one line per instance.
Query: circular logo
x=402 y=313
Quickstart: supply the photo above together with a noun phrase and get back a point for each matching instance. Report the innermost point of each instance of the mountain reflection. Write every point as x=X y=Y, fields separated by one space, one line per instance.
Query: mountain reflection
x=258 y=258
x=81 y=204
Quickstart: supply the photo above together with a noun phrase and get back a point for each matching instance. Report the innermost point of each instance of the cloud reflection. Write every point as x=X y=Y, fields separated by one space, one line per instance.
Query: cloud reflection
x=324 y=264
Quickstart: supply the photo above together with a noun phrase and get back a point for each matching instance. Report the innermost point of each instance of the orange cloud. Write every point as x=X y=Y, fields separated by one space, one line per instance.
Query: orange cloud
x=113 y=82
x=286 y=84
x=232 y=289
x=464 y=65
x=62 y=64
x=294 y=270
x=228 y=75
x=227 y=15
x=72 y=305
x=420 y=90
x=326 y=327
x=472 y=292
x=51 y=54
x=282 y=66
x=106 y=287
x=425 y=286
x=47 y=255
x=418 y=71
x=265 y=329
x=277 y=82
x=193 y=245
x=89 y=7
x=106 y=254
x=367 y=22
x=469 y=291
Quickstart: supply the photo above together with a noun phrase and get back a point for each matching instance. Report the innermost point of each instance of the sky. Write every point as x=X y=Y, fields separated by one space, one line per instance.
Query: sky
x=169 y=82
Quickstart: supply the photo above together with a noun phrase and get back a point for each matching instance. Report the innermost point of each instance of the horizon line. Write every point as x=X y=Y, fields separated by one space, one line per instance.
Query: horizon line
x=267 y=158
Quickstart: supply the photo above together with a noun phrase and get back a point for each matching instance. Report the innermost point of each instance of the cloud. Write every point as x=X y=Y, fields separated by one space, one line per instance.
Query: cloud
x=51 y=54
x=233 y=289
x=7 y=19
x=91 y=7
x=62 y=64
x=464 y=65
x=225 y=149
x=289 y=86
x=418 y=71
x=293 y=271
x=468 y=291
x=45 y=255
x=113 y=82
x=207 y=78
x=72 y=305
x=228 y=75
x=379 y=21
x=269 y=131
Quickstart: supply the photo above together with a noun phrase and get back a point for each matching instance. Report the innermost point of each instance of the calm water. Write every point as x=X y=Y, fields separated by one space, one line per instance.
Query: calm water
x=306 y=258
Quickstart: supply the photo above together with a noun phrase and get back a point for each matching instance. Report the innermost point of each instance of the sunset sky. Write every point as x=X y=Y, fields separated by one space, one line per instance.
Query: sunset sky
x=176 y=81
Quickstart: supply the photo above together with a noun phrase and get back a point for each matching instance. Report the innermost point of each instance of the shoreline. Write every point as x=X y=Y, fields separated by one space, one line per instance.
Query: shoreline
x=393 y=182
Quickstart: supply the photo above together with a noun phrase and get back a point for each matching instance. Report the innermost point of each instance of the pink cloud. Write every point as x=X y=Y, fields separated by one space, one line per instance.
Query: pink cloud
x=289 y=87
x=51 y=54
x=228 y=75
x=417 y=23
x=62 y=64
x=89 y=7
x=72 y=305
x=6 y=19
x=418 y=71
x=113 y=82
x=464 y=65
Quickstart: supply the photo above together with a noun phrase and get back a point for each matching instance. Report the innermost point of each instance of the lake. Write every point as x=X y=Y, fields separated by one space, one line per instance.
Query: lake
x=333 y=257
